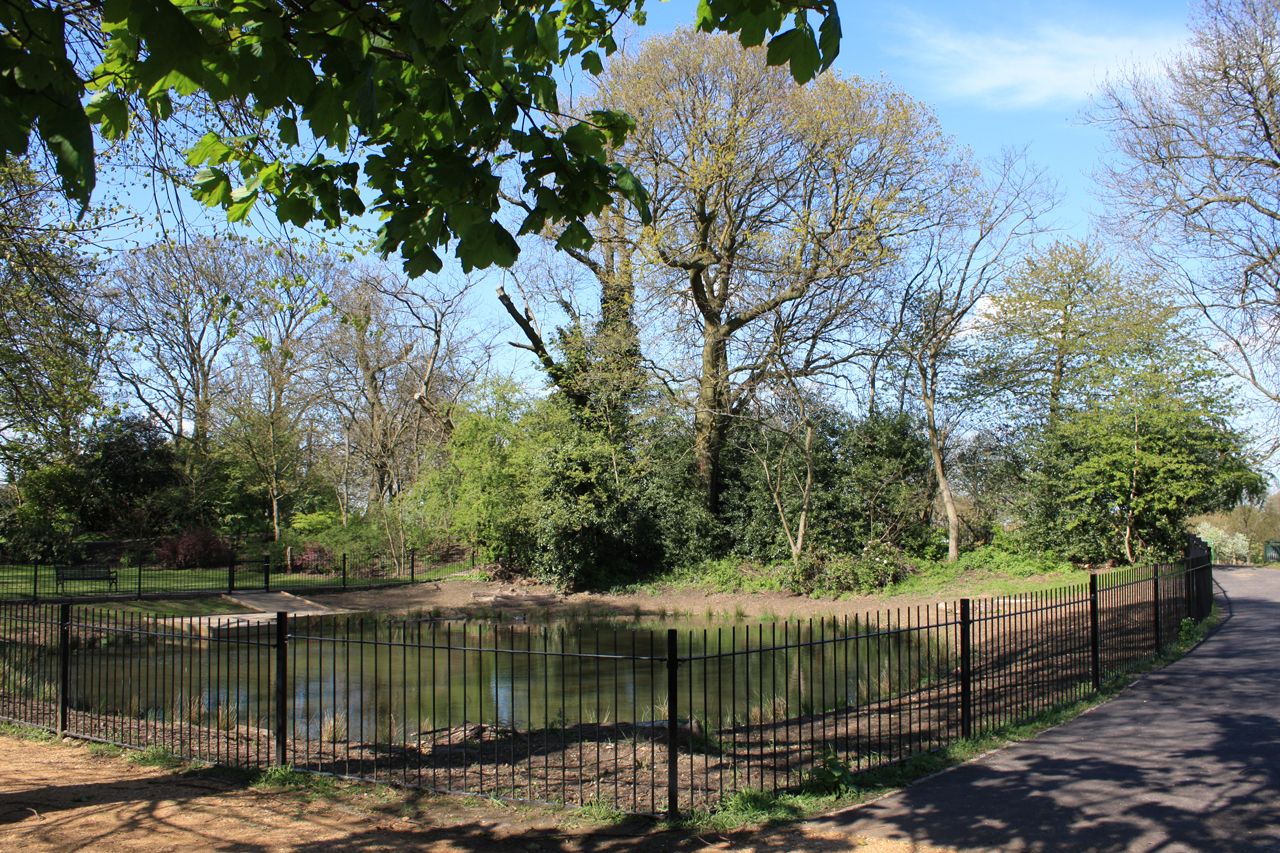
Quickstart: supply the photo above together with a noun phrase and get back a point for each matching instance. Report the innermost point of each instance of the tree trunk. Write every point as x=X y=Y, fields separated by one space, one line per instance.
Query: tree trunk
x=710 y=421
x=944 y=485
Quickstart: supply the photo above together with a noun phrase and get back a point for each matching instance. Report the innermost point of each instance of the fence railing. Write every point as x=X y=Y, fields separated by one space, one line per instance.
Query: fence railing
x=80 y=580
x=645 y=720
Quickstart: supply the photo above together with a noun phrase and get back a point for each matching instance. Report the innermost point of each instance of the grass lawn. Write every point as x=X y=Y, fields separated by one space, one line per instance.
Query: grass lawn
x=19 y=581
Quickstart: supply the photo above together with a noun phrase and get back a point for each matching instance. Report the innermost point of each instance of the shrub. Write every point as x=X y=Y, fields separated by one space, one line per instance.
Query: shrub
x=878 y=566
x=312 y=558
x=311 y=524
x=195 y=548
x=1005 y=557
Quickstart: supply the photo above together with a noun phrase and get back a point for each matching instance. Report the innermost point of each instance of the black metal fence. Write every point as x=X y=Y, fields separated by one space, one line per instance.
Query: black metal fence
x=646 y=720
x=243 y=573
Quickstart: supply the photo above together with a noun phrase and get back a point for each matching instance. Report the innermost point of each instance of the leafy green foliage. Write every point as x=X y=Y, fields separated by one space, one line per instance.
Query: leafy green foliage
x=876 y=567
x=832 y=775
x=50 y=346
x=437 y=97
x=156 y=756
x=1122 y=479
x=131 y=474
x=123 y=484
x=871 y=483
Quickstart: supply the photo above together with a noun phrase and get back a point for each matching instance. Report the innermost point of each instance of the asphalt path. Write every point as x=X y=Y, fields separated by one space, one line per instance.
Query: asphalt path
x=1188 y=759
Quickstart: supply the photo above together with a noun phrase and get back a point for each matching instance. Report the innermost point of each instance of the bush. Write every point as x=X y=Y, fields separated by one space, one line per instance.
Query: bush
x=878 y=566
x=198 y=547
x=312 y=558
x=1005 y=558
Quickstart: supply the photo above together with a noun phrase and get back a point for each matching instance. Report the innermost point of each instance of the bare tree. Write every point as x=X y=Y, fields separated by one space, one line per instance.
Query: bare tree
x=946 y=273
x=395 y=368
x=173 y=309
x=268 y=400
x=1196 y=176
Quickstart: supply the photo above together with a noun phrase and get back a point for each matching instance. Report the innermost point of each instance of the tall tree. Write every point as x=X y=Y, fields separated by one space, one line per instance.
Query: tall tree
x=1196 y=176
x=946 y=272
x=1120 y=478
x=173 y=308
x=51 y=348
x=1065 y=315
x=771 y=205
x=270 y=394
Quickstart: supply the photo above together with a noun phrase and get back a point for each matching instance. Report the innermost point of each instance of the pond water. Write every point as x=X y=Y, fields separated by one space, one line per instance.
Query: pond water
x=365 y=680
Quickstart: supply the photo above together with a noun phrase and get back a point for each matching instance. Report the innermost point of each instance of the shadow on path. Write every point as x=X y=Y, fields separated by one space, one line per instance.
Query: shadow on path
x=1186 y=760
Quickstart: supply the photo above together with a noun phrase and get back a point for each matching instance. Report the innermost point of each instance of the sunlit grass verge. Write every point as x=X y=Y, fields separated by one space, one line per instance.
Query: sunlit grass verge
x=20 y=731
x=829 y=788
x=155 y=756
x=202 y=606
x=290 y=779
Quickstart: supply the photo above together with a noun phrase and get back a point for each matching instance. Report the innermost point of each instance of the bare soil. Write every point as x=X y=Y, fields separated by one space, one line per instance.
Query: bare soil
x=458 y=597
x=63 y=797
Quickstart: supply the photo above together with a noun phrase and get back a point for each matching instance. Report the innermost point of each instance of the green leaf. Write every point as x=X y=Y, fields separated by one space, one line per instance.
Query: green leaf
x=633 y=190
x=421 y=262
x=210 y=149
x=34 y=73
x=545 y=94
x=64 y=127
x=288 y=129
x=110 y=112
x=829 y=38
x=241 y=203
x=212 y=186
x=576 y=236
x=584 y=140
x=591 y=63
x=366 y=102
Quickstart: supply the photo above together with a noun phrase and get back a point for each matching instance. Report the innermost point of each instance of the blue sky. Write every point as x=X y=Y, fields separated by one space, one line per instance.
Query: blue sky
x=1001 y=73
x=997 y=73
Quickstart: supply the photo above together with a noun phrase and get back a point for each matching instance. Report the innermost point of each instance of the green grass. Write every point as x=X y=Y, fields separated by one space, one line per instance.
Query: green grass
x=19 y=581
x=289 y=778
x=988 y=570
x=24 y=732
x=155 y=756
x=947 y=582
x=204 y=606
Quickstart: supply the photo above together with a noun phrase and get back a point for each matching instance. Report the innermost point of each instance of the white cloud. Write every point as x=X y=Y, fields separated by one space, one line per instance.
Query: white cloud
x=1035 y=64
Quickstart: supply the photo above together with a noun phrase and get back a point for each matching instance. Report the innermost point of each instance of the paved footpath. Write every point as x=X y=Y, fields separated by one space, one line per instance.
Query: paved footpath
x=1186 y=760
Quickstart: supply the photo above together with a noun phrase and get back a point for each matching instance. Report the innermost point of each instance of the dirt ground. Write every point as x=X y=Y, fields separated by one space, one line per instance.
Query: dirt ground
x=63 y=797
x=456 y=597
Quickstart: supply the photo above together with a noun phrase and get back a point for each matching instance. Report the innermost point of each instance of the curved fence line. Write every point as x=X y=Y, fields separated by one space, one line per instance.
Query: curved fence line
x=646 y=721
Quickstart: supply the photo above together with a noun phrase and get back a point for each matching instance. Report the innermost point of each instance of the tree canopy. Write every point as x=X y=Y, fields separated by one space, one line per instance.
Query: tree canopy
x=417 y=107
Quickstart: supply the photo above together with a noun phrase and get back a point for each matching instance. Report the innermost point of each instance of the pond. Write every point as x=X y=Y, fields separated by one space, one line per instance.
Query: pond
x=363 y=679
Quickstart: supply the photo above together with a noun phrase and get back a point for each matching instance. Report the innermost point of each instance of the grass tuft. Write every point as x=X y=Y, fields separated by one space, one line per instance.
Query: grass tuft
x=156 y=756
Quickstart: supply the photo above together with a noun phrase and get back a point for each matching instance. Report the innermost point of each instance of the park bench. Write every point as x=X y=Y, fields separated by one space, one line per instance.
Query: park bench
x=85 y=573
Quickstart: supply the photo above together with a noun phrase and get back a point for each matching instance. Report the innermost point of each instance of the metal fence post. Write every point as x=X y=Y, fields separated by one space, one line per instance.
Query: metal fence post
x=282 y=687
x=673 y=725
x=64 y=668
x=1155 y=599
x=1095 y=634
x=344 y=571
x=412 y=567
x=266 y=573
x=231 y=574
x=966 y=670
x=35 y=580
x=139 y=580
